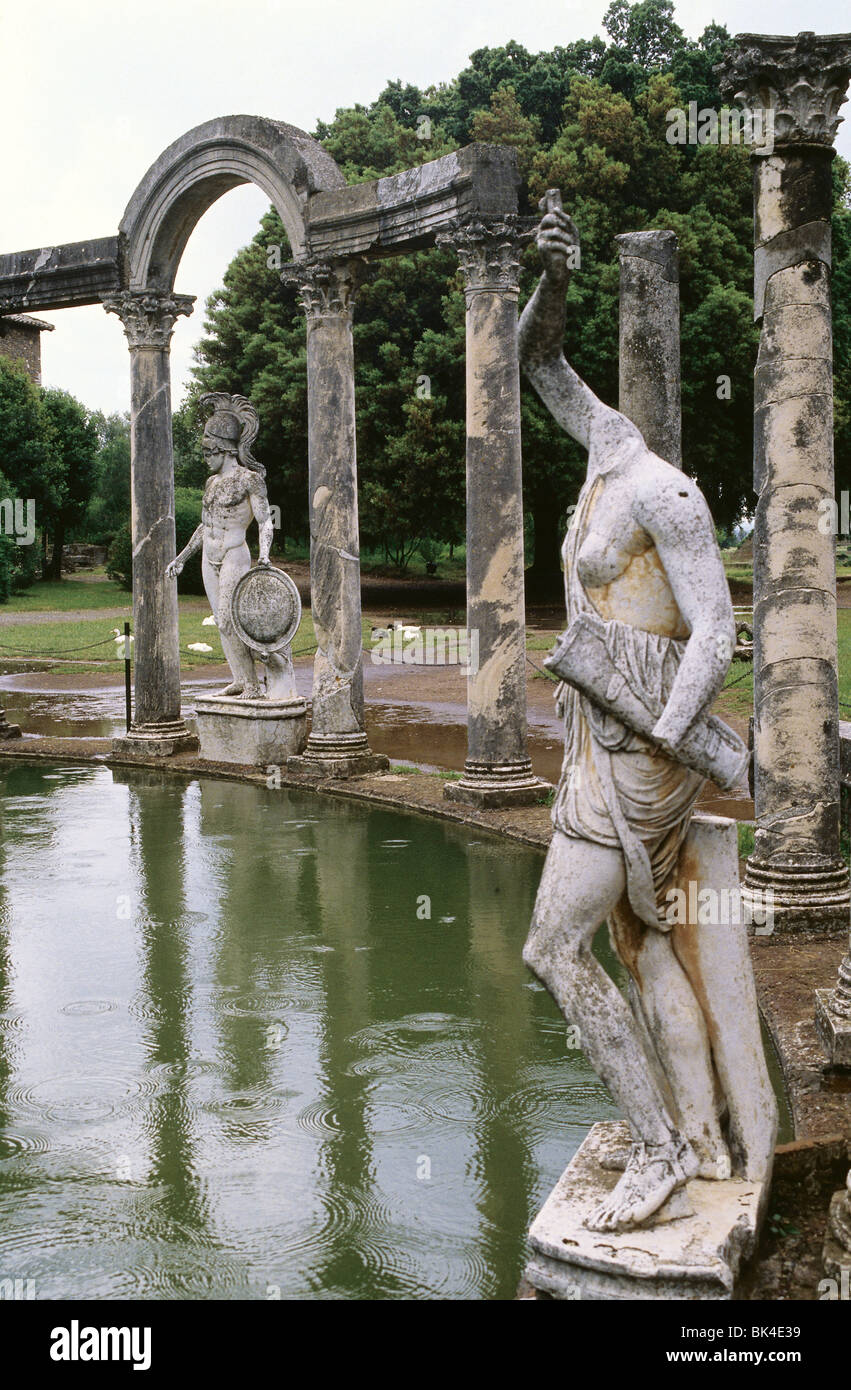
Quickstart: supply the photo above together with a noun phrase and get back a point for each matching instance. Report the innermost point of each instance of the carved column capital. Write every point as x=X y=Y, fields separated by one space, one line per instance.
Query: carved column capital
x=802 y=80
x=489 y=250
x=327 y=289
x=148 y=316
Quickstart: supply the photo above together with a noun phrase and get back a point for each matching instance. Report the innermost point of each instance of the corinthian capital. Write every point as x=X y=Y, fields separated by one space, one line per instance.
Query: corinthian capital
x=148 y=316
x=325 y=288
x=802 y=80
x=489 y=250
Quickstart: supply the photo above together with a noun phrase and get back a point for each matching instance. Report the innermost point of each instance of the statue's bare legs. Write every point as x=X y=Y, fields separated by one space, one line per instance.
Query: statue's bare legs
x=219 y=584
x=581 y=884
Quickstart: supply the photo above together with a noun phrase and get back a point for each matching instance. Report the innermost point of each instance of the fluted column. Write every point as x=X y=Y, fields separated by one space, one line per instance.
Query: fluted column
x=497 y=771
x=149 y=318
x=337 y=745
x=800 y=84
x=649 y=339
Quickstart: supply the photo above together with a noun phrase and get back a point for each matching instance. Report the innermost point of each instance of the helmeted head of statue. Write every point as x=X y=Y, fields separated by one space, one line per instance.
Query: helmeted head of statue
x=231 y=430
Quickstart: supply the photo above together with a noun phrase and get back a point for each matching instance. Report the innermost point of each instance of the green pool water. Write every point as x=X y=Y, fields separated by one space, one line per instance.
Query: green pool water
x=260 y=1044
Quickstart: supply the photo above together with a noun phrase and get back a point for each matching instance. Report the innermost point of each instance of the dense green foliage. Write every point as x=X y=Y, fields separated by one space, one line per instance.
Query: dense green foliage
x=109 y=504
x=73 y=449
x=589 y=118
x=187 y=515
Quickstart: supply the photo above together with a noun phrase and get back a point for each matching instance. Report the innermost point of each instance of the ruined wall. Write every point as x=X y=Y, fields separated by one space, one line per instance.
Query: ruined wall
x=22 y=340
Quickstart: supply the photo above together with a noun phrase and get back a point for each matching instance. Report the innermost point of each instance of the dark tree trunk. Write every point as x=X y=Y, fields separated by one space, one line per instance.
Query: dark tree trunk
x=544 y=577
x=54 y=570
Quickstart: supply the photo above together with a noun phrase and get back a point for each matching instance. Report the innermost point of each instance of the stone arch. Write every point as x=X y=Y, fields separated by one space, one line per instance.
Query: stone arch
x=199 y=168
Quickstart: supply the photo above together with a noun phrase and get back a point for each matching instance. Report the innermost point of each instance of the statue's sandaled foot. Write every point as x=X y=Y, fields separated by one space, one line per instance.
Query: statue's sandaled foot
x=252 y=692
x=654 y=1171
x=235 y=688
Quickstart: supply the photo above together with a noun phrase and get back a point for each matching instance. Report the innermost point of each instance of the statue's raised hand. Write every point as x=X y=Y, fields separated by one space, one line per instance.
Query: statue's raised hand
x=557 y=237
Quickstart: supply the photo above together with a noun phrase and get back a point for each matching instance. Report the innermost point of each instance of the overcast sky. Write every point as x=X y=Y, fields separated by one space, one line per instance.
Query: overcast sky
x=94 y=91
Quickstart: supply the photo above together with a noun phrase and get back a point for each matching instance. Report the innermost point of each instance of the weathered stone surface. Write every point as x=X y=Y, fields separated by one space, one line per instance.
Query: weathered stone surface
x=649 y=347
x=497 y=771
x=337 y=739
x=188 y=177
x=253 y=733
x=58 y=277
x=405 y=211
x=834 y=1029
x=693 y=1256
x=837 y=1246
x=801 y=81
x=148 y=321
x=7 y=730
x=649 y=641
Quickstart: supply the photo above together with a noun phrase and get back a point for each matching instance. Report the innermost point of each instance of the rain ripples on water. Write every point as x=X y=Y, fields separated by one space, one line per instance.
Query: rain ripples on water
x=238 y=1059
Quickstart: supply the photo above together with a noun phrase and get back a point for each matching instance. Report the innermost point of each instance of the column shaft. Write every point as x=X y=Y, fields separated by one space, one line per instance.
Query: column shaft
x=338 y=744
x=148 y=322
x=649 y=346
x=497 y=771
x=796 y=856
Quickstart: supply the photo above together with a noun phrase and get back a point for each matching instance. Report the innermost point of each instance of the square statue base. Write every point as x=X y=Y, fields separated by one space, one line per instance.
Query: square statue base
x=692 y=1256
x=833 y=1030
x=253 y=733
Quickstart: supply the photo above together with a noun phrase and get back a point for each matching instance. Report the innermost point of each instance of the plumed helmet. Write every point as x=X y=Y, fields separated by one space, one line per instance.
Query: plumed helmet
x=234 y=421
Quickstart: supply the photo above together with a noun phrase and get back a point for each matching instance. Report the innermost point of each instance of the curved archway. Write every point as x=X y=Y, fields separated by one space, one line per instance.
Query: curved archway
x=199 y=168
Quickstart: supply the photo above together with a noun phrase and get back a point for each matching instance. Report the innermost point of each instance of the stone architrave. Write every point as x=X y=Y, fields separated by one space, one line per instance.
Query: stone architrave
x=649 y=339
x=149 y=319
x=497 y=770
x=799 y=84
x=337 y=745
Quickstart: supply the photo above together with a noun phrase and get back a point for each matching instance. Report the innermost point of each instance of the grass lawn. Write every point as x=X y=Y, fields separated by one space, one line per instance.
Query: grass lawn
x=96 y=639
x=66 y=595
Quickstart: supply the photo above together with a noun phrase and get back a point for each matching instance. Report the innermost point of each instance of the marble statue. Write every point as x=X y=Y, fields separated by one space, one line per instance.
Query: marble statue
x=235 y=494
x=651 y=626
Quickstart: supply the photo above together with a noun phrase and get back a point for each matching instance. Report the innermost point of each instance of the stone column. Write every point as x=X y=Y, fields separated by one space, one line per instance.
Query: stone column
x=649 y=348
x=497 y=771
x=148 y=318
x=800 y=84
x=337 y=745
x=837 y=1245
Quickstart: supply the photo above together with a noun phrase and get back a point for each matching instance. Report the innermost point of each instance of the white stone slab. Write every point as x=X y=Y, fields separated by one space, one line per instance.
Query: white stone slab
x=690 y=1257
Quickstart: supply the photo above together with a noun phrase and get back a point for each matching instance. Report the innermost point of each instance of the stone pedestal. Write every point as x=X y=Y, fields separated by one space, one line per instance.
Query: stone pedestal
x=337 y=745
x=251 y=733
x=691 y=1256
x=833 y=1017
x=796 y=736
x=148 y=319
x=837 y=1246
x=649 y=339
x=497 y=771
x=7 y=730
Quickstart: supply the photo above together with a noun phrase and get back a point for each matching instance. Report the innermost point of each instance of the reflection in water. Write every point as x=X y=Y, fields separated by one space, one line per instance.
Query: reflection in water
x=257 y=1042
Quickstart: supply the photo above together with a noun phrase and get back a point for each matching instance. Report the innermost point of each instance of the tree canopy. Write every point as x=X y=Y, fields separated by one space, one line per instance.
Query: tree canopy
x=589 y=118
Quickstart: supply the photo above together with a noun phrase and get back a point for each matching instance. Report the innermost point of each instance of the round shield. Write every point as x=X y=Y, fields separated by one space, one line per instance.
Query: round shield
x=266 y=609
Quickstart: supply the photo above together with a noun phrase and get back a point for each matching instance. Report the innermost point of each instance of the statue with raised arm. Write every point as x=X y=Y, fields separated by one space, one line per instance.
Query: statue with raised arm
x=650 y=637
x=235 y=494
